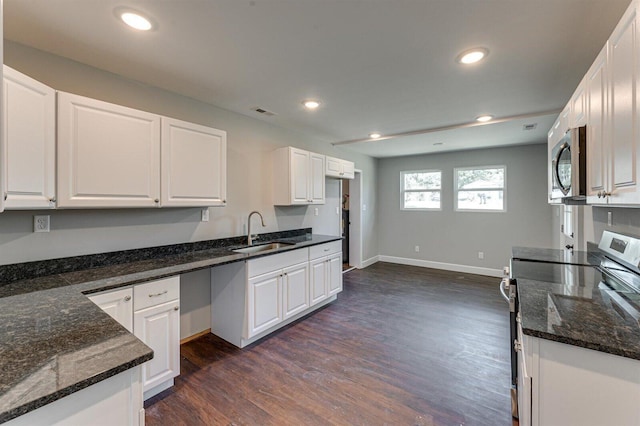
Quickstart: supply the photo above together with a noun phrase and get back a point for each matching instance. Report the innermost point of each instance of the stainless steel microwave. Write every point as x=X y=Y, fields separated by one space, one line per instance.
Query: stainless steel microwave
x=569 y=167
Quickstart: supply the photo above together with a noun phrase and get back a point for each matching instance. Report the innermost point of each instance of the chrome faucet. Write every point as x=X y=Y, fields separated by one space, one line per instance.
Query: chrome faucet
x=249 y=237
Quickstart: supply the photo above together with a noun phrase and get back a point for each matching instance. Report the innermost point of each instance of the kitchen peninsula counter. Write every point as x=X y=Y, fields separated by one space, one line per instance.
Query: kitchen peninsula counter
x=46 y=318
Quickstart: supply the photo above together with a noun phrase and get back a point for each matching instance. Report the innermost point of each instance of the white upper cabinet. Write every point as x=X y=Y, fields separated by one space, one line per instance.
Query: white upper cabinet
x=194 y=164
x=597 y=141
x=578 y=115
x=29 y=134
x=336 y=167
x=298 y=177
x=108 y=155
x=623 y=112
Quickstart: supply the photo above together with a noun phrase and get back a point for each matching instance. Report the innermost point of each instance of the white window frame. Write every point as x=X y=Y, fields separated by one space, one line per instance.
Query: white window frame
x=403 y=190
x=504 y=189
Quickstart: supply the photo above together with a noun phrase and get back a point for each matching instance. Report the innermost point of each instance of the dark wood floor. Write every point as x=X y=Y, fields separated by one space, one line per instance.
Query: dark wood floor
x=401 y=346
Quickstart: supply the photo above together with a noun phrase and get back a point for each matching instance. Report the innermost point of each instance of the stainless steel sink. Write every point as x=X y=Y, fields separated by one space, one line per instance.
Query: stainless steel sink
x=261 y=247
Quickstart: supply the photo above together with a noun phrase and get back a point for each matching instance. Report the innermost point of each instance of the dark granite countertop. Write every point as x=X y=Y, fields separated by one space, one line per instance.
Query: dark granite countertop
x=47 y=323
x=578 y=309
x=535 y=254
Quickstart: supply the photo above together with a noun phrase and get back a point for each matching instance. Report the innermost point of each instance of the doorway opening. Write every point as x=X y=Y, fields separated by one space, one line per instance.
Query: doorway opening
x=350 y=222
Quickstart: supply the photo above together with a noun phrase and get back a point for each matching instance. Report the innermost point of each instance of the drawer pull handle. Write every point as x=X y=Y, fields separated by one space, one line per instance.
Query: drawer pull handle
x=327 y=249
x=176 y=308
x=159 y=294
x=127 y=298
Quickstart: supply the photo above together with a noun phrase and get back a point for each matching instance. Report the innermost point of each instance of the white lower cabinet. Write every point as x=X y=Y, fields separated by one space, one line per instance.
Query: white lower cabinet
x=561 y=384
x=151 y=311
x=118 y=304
x=264 y=302
x=113 y=401
x=326 y=270
x=295 y=289
x=251 y=300
x=156 y=321
x=159 y=328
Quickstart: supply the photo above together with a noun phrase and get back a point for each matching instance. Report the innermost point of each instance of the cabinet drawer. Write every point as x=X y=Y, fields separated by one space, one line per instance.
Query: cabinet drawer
x=156 y=292
x=274 y=262
x=325 y=249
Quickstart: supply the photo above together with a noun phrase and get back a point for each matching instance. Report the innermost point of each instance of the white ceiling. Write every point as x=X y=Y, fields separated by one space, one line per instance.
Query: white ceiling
x=384 y=65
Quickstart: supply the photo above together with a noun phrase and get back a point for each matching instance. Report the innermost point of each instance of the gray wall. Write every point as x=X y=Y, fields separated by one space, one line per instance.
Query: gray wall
x=250 y=142
x=456 y=237
x=624 y=220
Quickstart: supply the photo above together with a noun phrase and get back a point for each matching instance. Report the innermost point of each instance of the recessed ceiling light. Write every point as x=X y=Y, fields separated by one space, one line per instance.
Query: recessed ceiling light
x=135 y=20
x=374 y=135
x=311 y=104
x=472 y=56
x=484 y=118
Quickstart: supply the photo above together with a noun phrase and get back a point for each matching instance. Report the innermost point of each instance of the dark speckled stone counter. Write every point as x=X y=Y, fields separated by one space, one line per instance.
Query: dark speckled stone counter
x=47 y=323
x=569 y=304
x=535 y=254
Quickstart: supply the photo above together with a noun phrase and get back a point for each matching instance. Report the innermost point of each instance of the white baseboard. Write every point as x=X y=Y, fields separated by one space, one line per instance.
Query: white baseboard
x=441 y=265
x=370 y=261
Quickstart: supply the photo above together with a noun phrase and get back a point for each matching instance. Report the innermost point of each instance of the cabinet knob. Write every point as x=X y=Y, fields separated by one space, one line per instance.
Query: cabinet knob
x=5 y=196
x=224 y=201
x=52 y=199
x=176 y=308
x=127 y=298
x=156 y=201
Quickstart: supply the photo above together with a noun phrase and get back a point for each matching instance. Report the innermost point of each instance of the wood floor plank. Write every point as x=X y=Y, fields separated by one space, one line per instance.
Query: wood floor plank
x=401 y=346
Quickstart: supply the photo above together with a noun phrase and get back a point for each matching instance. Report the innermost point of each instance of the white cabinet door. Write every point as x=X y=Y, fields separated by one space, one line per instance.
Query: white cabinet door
x=623 y=114
x=338 y=168
x=318 y=280
x=597 y=142
x=264 y=302
x=334 y=274
x=29 y=133
x=300 y=176
x=295 y=289
x=194 y=164
x=159 y=328
x=108 y=155
x=117 y=304
x=578 y=115
x=316 y=178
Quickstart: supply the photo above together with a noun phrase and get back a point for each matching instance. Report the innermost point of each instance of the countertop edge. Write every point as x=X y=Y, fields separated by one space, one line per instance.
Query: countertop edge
x=71 y=389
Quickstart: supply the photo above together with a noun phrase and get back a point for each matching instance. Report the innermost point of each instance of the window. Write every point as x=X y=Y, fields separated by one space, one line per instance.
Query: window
x=480 y=188
x=420 y=189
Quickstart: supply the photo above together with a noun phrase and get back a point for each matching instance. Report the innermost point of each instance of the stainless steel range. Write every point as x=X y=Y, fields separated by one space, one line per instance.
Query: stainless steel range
x=607 y=278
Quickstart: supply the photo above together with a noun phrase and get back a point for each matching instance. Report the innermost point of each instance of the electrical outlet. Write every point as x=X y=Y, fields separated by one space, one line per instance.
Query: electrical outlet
x=205 y=215
x=417 y=249
x=609 y=219
x=337 y=210
x=480 y=255
x=364 y=207
x=41 y=223
x=315 y=211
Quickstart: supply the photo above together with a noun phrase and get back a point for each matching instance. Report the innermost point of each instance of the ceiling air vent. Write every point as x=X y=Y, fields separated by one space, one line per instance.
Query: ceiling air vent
x=263 y=111
x=529 y=126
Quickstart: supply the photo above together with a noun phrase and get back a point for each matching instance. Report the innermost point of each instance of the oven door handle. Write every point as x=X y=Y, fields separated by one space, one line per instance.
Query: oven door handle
x=503 y=289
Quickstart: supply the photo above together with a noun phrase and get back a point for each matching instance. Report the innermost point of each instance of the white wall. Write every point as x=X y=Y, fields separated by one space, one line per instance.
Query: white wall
x=250 y=143
x=455 y=238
